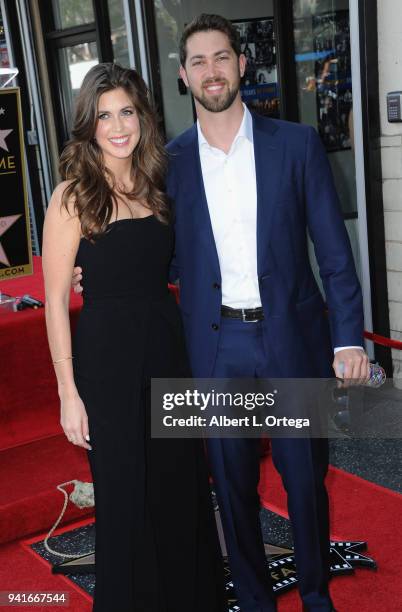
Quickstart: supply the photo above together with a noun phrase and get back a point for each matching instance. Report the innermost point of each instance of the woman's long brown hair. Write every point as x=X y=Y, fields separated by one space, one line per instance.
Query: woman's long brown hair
x=82 y=162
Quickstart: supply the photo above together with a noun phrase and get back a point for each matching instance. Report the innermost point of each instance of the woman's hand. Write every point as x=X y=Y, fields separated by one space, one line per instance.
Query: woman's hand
x=74 y=420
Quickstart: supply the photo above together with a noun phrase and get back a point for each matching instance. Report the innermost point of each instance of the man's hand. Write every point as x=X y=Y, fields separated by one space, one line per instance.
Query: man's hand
x=355 y=369
x=75 y=280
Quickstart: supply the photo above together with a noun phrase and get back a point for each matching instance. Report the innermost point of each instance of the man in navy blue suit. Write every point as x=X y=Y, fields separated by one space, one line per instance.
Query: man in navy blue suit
x=246 y=189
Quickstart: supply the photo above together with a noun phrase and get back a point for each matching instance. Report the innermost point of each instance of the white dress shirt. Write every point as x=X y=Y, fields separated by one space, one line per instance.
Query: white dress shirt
x=231 y=191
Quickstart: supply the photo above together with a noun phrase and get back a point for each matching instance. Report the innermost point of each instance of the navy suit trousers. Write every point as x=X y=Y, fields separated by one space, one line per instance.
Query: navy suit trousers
x=302 y=463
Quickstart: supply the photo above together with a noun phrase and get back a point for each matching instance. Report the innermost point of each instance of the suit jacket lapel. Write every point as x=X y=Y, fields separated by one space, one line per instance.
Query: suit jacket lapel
x=268 y=154
x=195 y=187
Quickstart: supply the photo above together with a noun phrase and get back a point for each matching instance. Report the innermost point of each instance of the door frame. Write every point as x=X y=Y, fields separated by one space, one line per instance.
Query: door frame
x=367 y=131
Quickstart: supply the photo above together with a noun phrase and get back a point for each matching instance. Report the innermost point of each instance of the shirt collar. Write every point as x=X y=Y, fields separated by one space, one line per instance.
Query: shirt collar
x=245 y=131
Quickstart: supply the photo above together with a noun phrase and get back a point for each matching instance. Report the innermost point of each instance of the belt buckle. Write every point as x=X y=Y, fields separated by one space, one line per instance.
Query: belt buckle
x=244 y=317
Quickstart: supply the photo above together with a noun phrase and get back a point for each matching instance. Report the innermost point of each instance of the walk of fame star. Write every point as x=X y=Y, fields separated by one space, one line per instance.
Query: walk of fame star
x=344 y=558
x=5 y=224
x=3 y=136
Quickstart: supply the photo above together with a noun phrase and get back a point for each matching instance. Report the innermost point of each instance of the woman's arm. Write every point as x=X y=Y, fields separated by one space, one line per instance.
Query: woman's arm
x=61 y=237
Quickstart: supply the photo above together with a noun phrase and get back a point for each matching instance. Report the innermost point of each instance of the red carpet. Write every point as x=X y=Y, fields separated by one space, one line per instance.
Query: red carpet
x=29 y=474
x=360 y=510
x=29 y=405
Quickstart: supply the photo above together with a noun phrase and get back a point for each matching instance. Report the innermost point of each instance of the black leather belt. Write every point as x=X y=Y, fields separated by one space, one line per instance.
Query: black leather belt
x=245 y=314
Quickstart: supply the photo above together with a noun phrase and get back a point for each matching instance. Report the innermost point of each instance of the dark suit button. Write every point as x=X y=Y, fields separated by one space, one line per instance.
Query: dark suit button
x=216 y=286
x=214 y=326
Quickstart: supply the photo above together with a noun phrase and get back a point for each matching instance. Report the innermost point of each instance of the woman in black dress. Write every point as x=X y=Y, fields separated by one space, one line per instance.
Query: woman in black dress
x=156 y=543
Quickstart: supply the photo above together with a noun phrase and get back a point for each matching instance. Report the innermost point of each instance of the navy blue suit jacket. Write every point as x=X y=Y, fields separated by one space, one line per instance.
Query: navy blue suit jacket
x=295 y=191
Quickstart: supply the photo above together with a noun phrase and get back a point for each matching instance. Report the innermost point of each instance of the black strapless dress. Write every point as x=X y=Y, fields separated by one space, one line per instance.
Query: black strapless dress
x=156 y=543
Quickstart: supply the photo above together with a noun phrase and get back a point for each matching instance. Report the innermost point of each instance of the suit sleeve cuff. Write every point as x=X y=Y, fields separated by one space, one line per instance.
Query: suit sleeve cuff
x=342 y=348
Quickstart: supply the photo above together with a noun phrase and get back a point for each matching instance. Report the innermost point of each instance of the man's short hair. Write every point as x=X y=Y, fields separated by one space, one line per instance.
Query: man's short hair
x=207 y=23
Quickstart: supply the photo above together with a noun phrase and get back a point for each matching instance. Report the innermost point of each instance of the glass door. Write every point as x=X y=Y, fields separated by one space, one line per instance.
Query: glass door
x=73 y=62
x=321 y=30
x=324 y=85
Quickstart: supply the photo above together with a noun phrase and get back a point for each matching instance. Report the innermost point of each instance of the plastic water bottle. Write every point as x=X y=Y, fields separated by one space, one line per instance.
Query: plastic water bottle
x=377 y=375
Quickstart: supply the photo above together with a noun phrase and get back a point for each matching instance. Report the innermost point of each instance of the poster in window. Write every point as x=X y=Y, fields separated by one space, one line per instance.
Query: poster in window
x=324 y=65
x=4 y=58
x=259 y=86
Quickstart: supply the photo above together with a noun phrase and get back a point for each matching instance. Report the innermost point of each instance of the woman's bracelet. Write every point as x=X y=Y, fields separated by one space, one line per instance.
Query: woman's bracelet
x=63 y=359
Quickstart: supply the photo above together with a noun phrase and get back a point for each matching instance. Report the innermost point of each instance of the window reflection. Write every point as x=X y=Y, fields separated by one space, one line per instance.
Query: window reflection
x=259 y=88
x=74 y=63
x=70 y=13
x=118 y=28
x=322 y=44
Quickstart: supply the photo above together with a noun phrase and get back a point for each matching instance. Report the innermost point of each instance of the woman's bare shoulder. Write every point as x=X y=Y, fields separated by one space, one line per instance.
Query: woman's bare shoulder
x=56 y=203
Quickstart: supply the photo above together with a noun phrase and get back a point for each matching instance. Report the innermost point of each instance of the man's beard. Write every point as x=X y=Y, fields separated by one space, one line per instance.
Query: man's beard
x=219 y=103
